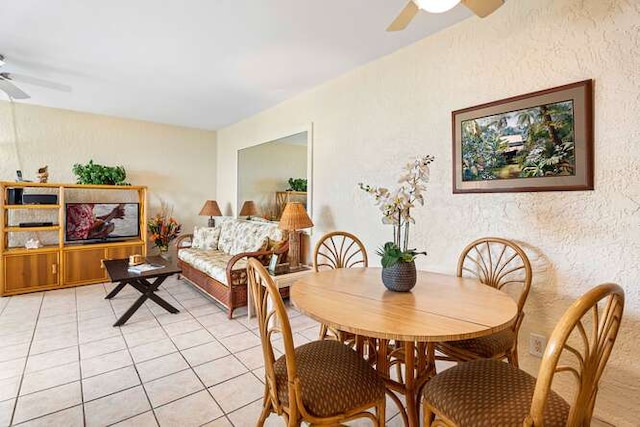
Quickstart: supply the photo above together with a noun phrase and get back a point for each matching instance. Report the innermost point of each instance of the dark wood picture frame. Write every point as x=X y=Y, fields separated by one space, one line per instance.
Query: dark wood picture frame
x=516 y=163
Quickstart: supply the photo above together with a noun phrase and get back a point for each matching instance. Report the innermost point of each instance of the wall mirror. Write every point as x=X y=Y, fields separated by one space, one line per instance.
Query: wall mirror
x=272 y=173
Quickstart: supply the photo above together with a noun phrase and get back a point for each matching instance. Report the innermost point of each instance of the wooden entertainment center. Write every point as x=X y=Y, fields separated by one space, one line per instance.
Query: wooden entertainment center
x=60 y=264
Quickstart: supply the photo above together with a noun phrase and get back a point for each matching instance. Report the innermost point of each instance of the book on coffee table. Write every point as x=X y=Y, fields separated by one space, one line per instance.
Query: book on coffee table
x=143 y=268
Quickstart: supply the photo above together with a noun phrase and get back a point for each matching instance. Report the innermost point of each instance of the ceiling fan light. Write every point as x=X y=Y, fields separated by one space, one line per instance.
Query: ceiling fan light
x=436 y=6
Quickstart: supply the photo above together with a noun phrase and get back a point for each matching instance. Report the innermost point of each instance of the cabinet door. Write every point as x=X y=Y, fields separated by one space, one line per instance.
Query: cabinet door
x=84 y=266
x=120 y=252
x=22 y=272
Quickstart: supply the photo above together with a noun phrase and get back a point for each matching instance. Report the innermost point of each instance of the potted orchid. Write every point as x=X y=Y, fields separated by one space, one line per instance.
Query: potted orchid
x=398 y=260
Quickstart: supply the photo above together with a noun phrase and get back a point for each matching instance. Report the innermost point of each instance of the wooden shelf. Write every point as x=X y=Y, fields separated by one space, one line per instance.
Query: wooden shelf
x=22 y=250
x=60 y=264
x=292 y=193
x=284 y=197
x=32 y=206
x=23 y=229
x=10 y=184
x=85 y=246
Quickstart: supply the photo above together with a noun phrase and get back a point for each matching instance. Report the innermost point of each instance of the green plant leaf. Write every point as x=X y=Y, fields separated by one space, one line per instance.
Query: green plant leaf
x=93 y=173
x=297 y=184
x=391 y=254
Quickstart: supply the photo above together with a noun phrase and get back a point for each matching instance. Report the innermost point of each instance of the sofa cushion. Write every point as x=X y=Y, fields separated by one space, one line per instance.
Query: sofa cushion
x=237 y=236
x=206 y=237
x=227 y=236
x=274 y=232
x=250 y=237
x=211 y=262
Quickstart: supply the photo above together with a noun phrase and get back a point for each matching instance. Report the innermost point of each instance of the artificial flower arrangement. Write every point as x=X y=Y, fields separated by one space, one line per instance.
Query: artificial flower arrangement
x=163 y=228
x=396 y=209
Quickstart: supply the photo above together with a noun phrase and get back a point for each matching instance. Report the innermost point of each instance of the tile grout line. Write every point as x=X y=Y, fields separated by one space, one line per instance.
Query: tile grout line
x=4 y=307
x=49 y=388
x=242 y=407
x=208 y=389
x=57 y=385
x=249 y=370
x=193 y=370
x=177 y=350
x=144 y=390
x=189 y=367
x=84 y=415
x=246 y=327
x=15 y=405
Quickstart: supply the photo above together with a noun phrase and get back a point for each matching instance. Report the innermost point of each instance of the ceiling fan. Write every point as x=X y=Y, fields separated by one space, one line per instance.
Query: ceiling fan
x=7 y=83
x=481 y=8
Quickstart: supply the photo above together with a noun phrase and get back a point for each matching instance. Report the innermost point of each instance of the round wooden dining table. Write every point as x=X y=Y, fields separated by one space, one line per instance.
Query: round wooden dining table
x=403 y=326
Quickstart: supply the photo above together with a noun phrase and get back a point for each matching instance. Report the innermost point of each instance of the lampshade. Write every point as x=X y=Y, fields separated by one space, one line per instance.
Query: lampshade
x=436 y=6
x=295 y=217
x=248 y=209
x=210 y=208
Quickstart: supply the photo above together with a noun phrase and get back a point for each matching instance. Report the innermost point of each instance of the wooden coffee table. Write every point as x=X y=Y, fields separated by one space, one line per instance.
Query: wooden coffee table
x=118 y=270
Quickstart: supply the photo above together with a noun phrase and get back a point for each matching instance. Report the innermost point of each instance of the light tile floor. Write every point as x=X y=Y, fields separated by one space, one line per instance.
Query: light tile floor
x=62 y=363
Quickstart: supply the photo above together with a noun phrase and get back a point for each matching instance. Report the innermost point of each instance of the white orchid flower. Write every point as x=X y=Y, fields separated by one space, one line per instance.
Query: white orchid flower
x=396 y=205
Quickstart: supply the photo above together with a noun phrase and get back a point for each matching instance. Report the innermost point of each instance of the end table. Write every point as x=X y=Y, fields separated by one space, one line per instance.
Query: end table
x=282 y=281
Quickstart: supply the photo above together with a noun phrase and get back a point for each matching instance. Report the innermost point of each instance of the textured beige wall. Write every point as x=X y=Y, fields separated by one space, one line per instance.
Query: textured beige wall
x=177 y=164
x=258 y=179
x=368 y=122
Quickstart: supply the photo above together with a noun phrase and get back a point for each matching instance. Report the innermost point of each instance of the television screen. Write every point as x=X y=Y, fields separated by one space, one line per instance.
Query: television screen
x=101 y=221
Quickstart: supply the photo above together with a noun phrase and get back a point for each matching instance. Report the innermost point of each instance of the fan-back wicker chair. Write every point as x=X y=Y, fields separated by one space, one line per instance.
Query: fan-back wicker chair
x=338 y=249
x=491 y=392
x=321 y=382
x=503 y=265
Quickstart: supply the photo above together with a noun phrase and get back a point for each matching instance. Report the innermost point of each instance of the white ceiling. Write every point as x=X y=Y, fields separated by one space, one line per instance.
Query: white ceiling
x=197 y=63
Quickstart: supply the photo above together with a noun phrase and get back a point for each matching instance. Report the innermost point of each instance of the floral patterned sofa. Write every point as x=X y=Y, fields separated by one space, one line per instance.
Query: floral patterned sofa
x=216 y=258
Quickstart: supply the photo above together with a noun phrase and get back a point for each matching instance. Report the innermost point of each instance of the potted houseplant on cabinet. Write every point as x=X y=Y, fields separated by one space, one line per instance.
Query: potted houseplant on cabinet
x=398 y=260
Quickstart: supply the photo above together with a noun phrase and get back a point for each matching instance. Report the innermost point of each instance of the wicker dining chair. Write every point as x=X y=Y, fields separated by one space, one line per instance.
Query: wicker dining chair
x=501 y=264
x=490 y=392
x=321 y=382
x=338 y=249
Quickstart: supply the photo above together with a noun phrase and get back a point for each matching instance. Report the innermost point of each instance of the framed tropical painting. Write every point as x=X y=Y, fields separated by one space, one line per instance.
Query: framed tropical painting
x=541 y=141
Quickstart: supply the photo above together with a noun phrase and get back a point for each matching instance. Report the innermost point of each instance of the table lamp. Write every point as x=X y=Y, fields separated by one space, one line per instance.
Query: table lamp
x=211 y=209
x=249 y=209
x=294 y=218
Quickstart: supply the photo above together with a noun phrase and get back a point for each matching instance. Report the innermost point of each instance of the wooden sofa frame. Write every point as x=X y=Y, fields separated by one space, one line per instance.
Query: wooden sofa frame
x=235 y=294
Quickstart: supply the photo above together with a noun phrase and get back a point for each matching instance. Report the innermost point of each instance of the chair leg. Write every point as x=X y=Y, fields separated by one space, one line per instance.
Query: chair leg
x=512 y=357
x=399 y=372
x=293 y=422
x=323 y=332
x=429 y=416
x=381 y=412
x=266 y=409
x=294 y=419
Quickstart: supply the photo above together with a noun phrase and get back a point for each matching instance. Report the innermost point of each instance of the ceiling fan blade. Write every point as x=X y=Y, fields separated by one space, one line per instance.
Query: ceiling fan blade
x=406 y=15
x=483 y=8
x=37 y=82
x=12 y=90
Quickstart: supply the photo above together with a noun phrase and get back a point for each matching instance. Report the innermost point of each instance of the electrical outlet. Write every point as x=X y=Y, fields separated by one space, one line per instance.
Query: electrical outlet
x=537 y=344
